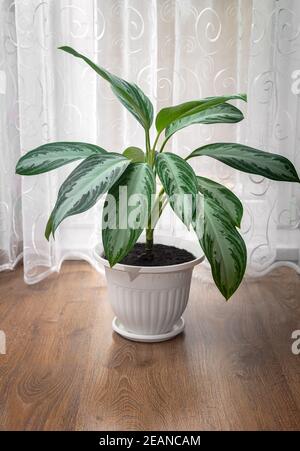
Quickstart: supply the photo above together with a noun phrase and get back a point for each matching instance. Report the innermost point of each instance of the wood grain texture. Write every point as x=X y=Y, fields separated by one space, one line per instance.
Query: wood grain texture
x=232 y=369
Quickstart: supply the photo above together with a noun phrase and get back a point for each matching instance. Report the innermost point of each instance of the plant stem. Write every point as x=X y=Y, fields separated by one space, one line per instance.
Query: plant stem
x=150 y=161
x=164 y=143
x=149 y=239
x=148 y=148
x=156 y=141
x=150 y=158
x=159 y=203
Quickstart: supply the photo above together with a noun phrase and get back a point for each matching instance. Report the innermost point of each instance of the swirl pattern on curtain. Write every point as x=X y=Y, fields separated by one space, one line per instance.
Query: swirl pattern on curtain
x=176 y=51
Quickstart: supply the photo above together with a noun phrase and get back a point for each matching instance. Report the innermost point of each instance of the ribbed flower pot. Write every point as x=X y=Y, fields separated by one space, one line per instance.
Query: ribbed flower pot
x=148 y=301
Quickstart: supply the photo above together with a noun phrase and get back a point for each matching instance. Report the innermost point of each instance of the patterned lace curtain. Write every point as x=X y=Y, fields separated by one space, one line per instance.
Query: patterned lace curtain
x=176 y=50
x=271 y=222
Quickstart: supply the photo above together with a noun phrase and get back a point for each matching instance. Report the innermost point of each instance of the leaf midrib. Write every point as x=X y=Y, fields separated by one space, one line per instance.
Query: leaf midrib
x=67 y=197
x=221 y=250
x=167 y=161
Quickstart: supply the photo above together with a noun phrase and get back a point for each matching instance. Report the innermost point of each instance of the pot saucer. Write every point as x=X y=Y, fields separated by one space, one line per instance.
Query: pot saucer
x=120 y=329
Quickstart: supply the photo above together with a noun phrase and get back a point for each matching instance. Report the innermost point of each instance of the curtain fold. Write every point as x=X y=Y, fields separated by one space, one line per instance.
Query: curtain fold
x=176 y=50
x=11 y=237
x=271 y=222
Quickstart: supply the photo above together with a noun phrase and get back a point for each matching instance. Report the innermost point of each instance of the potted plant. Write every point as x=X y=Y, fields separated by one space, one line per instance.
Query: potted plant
x=149 y=281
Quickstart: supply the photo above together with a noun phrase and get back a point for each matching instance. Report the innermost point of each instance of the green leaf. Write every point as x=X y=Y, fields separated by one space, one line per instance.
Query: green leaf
x=135 y=154
x=223 y=113
x=53 y=155
x=81 y=190
x=168 y=115
x=248 y=159
x=130 y=95
x=179 y=181
x=222 y=196
x=223 y=246
x=119 y=239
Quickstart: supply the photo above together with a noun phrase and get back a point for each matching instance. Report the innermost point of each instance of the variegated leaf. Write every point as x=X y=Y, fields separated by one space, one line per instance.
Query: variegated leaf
x=223 y=113
x=123 y=222
x=53 y=155
x=168 y=115
x=130 y=95
x=223 y=246
x=81 y=190
x=222 y=196
x=180 y=184
x=248 y=159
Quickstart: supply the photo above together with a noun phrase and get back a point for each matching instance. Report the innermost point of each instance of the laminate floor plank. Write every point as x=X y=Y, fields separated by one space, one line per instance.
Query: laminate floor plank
x=232 y=369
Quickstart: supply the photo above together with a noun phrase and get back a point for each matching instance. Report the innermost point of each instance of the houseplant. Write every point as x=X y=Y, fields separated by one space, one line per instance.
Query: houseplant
x=148 y=282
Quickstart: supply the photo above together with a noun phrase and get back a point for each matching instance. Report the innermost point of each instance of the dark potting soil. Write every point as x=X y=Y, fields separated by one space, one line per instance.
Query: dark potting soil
x=161 y=255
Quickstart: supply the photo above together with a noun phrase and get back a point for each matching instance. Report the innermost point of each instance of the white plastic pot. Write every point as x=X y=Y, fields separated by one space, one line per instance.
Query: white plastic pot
x=148 y=301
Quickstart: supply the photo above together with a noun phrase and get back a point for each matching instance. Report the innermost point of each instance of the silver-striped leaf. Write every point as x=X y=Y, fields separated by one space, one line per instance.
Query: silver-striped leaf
x=222 y=196
x=130 y=95
x=250 y=160
x=53 y=155
x=180 y=184
x=168 y=115
x=81 y=190
x=223 y=113
x=123 y=219
x=223 y=246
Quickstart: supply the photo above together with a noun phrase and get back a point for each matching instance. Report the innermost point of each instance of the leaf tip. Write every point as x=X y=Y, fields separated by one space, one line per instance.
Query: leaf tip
x=20 y=167
x=48 y=229
x=239 y=220
x=294 y=177
x=112 y=262
x=227 y=292
x=68 y=49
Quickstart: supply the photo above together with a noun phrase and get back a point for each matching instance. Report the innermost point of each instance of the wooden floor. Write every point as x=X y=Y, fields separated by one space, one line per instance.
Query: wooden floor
x=64 y=369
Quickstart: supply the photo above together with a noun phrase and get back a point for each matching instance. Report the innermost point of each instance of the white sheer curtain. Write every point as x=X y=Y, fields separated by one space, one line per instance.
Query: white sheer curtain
x=176 y=50
x=271 y=222
x=10 y=186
